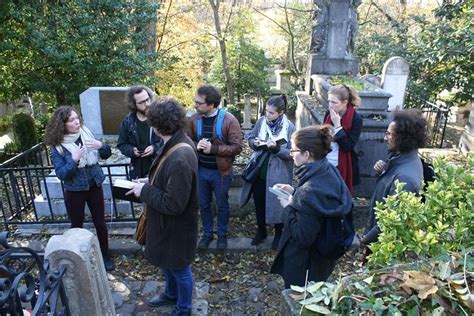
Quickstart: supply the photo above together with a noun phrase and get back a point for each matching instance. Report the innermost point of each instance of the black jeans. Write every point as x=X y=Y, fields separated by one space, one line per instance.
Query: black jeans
x=259 y=192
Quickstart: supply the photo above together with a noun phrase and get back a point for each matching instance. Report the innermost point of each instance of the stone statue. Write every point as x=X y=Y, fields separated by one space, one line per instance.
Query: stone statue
x=320 y=26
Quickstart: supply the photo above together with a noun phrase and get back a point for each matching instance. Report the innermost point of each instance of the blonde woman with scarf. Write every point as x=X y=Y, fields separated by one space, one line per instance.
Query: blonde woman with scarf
x=271 y=134
x=347 y=123
x=75 y=155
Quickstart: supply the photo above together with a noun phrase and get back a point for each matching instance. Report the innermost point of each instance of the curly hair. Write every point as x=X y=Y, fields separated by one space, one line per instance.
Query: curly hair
x=410 y=130
x=166 y=115
x=344 y=92
x=211 y=93
x=56 y=128
x=316 y=139
x=132 y=106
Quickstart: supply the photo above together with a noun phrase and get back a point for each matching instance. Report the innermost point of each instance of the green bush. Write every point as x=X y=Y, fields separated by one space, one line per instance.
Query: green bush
x=9 y=150
x=24 y=130
x=413 y=230
x=4 y=125
x=236 y=112
x=41 y=122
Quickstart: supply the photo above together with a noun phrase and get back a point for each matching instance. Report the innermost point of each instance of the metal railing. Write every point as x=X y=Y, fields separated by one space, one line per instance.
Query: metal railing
x=24 y=184
x=436 y=115
x=28 y=283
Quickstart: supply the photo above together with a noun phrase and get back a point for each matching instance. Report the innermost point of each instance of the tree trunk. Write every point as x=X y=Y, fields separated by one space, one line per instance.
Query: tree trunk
x=222 y=46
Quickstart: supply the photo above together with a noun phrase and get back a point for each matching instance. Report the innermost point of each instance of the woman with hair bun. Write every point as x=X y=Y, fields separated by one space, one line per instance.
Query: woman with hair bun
x=320 y=193
x=270 y=139
x=342 y=101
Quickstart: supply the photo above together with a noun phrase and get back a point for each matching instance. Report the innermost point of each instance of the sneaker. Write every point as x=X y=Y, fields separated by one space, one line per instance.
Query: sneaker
x=275 y=242
x=222 y=243
x=161 y=300
x=259 y=238
x=204 y=242
x=108 y=263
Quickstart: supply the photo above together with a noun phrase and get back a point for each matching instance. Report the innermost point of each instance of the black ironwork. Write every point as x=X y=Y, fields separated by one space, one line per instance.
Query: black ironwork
x=24 y=178
x=28 y=283
x=436 y=114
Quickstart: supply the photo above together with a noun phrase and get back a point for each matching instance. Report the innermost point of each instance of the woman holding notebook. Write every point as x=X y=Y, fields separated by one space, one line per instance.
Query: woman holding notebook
x=270 y=139
x=320 y=194
x=75 y=154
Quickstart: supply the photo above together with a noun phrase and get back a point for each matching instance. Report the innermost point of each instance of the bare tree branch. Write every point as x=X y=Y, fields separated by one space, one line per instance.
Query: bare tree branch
x=277 y=24
x=294 y=9
x=160 y=39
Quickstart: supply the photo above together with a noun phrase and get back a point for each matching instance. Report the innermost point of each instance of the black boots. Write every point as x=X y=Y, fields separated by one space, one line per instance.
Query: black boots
x=259 y=237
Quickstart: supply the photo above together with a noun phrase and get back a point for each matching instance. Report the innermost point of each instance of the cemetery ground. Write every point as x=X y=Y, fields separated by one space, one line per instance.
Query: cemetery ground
x=239 y=282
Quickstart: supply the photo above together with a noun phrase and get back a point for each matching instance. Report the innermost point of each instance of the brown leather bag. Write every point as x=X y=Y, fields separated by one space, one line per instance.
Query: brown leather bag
x=140 y=232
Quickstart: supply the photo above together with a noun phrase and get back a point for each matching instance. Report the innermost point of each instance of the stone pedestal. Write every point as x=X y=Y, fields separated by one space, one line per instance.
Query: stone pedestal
x=282 y=79
x=103 y=109
x=85 y=281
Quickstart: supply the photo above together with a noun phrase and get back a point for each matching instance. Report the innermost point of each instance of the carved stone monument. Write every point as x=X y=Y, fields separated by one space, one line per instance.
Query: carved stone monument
x=333 y=38
x=103 y=109
x=394 y=81
x=85 y=281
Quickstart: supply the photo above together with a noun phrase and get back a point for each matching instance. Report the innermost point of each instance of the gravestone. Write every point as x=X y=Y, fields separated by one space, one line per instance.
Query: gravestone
x=394 y=81
x=333 y=39
x=247 y=124
x=282 y=79
x=85 y=281
x=103 y=109
x=467 y=138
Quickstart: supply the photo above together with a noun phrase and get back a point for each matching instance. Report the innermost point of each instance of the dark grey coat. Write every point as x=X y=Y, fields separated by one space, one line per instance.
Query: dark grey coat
x=280 y=170
x=405 y=168
x=172 y=201
x=320 y=193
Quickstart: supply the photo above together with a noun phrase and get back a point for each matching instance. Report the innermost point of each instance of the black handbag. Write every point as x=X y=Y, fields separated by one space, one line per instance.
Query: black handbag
x=254 y=165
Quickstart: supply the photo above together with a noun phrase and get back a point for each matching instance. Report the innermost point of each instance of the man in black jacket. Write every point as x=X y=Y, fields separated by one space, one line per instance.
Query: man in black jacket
x=136 y=139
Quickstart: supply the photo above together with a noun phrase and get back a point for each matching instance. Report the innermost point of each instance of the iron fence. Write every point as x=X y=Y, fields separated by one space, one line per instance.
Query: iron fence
x=436 y=115
x=28 y=283
x=31 y=194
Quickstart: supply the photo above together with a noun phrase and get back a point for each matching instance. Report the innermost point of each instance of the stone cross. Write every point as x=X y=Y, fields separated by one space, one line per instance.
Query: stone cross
x=394 y=81
x=246 y=124
x=103 y=109
x=85 y=280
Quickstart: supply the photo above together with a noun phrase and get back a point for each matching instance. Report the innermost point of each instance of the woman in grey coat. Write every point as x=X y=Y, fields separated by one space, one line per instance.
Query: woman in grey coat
x=271 y=134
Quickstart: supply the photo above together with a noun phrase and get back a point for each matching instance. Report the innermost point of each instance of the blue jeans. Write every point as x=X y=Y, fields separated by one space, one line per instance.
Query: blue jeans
x=179 y=285
x=210 y=180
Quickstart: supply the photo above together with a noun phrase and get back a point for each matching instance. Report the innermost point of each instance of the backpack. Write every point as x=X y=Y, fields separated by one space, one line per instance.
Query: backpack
x=428 y=176
x=219 y=123
x=335 y=236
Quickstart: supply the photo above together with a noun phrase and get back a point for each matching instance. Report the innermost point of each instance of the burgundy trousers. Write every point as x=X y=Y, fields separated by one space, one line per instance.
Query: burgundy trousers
x=75 y=205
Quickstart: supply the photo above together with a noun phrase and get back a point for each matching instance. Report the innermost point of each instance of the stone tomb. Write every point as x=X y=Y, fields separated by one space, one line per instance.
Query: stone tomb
x=103 y=109
x=85 y=281
x=394 y=81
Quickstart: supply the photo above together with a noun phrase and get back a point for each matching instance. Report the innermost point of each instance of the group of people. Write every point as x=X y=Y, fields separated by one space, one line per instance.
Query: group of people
x=178 y=164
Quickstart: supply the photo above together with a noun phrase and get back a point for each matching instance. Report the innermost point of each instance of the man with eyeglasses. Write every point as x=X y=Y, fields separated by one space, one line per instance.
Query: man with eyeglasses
x=218 y=140
x=405 y=134
x=136 y=139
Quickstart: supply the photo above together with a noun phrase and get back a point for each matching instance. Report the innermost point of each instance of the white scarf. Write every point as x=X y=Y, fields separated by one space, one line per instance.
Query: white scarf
x=264 y=134
x=91 y=156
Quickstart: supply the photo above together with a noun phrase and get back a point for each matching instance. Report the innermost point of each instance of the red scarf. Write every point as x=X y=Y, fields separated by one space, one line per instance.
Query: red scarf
x=344 y=163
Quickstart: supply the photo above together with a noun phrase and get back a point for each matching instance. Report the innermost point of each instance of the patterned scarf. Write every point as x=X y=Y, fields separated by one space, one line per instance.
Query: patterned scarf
x=274 y=130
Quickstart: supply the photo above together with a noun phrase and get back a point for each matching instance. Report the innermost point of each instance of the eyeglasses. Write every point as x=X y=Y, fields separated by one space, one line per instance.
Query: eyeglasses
x=295 y=151
x=144 y=101
x=199 y=103
x=388 y=133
